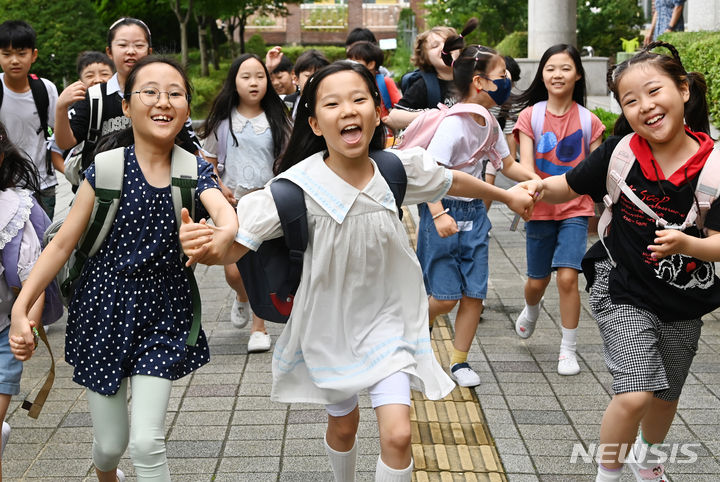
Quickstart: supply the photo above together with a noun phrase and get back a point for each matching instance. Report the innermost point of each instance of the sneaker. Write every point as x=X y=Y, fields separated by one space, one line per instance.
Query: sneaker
x=5 y=436
x=258 y=342
x=568 y=364
x=464 y=375
x=120 y=475
x=654 y=474
x=240 y=313
x=524 y=325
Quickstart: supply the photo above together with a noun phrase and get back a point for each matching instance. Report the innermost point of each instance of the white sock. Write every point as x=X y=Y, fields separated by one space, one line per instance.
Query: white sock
x=343 y=463
x=569 y=340
x=640 y=454
x=383 y=473
x=608 y=475
x=533 y=311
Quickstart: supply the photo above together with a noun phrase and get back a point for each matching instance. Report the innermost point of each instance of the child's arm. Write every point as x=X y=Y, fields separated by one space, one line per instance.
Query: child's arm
x=399 y=119
x=520 y=198
x=672 y=241
x=52 y=259
x=225 y=221
x=22 y=344
x=518 y=172
x=196 y=240
x=64 y=137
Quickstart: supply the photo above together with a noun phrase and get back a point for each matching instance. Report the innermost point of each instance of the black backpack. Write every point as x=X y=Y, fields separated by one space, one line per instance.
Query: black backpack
x=42 y=103
x=432 y=85
x=272 y=273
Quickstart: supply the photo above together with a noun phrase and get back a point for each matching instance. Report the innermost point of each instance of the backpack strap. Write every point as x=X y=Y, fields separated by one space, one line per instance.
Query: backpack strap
x=706 y=191
x=290 y=203
x=391 y=168
x=537 y=120
x=109 y=177
x=487 y=144
x=95 y=96
x=432 y=85
x=42 y=104
x=586 y=126
x=222 y=132
x=380 y=81
x=34 y=407
x=183 y=184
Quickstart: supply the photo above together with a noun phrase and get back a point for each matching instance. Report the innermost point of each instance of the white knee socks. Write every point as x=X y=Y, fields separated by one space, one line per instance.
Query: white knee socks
x=383 y=473
x=343 y=463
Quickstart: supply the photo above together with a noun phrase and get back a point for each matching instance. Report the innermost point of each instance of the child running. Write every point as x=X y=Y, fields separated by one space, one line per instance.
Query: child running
x=360 y=313
x=246 y=130
x=555 y=132
x=651 y=286
x=453 y=233
x=129 y=321
x=18 y=186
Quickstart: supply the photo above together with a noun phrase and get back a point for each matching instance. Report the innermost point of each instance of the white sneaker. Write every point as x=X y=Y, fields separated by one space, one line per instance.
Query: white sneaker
x=258 y=342
x=655 y=474
x=568 y=364
x=5 y=436
x=525 y=325
x=120 y=475
x=240 y=313
x=464 y=375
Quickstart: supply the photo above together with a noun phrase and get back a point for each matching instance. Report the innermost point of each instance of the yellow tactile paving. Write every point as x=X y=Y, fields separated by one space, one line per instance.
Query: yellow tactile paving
x=450 y=440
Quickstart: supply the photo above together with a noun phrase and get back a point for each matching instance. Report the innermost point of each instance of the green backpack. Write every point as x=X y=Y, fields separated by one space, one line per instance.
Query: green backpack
x=109 y=176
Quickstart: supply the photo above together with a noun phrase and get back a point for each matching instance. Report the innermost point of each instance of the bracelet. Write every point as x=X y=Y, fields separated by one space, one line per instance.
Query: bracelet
x=447 y=210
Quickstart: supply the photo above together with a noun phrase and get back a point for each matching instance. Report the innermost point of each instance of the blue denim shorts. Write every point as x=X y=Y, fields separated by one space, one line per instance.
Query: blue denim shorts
x=10 y=367
x=555 y=244
x=456 y=265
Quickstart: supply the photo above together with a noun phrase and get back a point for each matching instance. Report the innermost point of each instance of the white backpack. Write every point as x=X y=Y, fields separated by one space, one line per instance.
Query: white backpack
x=73 y=162
x=622 y=159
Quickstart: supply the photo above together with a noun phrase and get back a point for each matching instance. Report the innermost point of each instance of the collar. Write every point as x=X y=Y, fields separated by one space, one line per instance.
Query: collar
x=693 y=166
x=259 y=123
x=113 y=85
x=331 y=192
x=16 y=206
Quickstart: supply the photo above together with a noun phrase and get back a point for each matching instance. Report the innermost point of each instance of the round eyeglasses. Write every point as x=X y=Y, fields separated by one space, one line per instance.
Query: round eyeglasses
x=151 y=96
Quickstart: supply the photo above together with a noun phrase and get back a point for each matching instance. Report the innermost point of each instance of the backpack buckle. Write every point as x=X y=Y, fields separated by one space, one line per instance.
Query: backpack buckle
x=607 y=201
x=296 y=255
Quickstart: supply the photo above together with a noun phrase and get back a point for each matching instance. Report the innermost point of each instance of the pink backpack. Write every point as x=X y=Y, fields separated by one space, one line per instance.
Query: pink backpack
x=422 y=130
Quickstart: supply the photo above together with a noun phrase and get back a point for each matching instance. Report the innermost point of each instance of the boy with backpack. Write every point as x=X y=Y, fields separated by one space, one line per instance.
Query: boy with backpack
x=27 y=103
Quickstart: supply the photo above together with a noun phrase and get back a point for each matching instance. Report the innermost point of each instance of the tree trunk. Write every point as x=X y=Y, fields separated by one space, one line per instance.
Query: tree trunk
x=183 y=21
x=215 y=46
x=202 y=22
x=241 y=30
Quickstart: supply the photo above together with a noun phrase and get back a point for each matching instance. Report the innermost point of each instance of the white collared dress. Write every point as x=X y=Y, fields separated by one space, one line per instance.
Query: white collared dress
x=361 y=312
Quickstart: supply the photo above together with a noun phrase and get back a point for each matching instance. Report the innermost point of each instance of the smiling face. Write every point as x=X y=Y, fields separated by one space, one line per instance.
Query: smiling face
x=345 y=115
x=251 y=82
x=127 y=47
x=96 y=73
x=282 y=82
x=160 y=122
x=559 y=75
x=653 y=104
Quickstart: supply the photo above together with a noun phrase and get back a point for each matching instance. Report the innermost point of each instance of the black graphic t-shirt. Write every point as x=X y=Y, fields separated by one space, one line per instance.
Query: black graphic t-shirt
x=676 y=287
x=415 y=97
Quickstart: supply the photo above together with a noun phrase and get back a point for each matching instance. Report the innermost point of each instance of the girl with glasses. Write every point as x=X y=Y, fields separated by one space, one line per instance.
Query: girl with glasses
x=129 y=321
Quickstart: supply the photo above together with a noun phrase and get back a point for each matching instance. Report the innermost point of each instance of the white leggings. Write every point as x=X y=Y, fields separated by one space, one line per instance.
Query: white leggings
x=394 y=389
x=145 y=430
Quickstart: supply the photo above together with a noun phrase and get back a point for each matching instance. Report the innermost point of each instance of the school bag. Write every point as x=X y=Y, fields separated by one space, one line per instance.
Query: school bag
x=272 y=273
x=384 y=94
x=538 y=120
x=42 y=104
x=432 y=85
x=53 y=308
x=73 y=162
x=622 y=160
x=422 y=130
x=109 y=176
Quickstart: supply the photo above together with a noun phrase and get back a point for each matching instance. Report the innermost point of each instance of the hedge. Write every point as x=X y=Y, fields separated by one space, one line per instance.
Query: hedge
x=700 y=52
x=514 y=45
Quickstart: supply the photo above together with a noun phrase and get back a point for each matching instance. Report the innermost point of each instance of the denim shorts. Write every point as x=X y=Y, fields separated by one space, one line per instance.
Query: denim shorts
x=10 y=367
x=555 y=244
x=456 y=265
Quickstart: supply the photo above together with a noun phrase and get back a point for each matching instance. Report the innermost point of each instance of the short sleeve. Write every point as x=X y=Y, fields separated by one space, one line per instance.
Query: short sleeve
x=258 y=219
x=52 y=98
x=394 y=92
x=206 y=177
x=29 y=251
x=598 y=128
x=442 y=147
x=79 y=115
x=588 y=177
x=501 y=146
x=89 y=174
x=415 y=97
x=524 y=125
x=426 y=180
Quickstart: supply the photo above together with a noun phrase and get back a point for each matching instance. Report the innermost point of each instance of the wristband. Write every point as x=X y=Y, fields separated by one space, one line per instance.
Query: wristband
x=447 y=210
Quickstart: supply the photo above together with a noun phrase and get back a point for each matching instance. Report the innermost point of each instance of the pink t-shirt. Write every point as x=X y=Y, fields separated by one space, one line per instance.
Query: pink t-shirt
x=560 y=148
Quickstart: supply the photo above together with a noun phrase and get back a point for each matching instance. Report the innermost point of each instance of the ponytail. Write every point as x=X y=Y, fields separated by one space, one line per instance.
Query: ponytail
x=456 y=42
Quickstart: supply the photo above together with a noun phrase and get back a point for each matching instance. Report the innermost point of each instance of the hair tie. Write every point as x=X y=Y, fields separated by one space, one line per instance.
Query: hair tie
x=444 y=53
x=461 y=36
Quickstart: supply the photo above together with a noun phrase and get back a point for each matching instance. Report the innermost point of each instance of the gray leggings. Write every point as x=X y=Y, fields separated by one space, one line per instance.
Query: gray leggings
x=145 y=430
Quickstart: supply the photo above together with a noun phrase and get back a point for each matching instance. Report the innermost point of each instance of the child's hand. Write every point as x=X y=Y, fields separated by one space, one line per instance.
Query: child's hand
x=273 y=57
x=194 y=237
x=522 y=201
x=534 y=187
x=21 y=337
x=445 y=225
x=668 y=242
x=72 y=93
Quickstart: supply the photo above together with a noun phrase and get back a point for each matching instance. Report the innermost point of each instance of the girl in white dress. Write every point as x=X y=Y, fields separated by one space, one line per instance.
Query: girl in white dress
x=359 y=318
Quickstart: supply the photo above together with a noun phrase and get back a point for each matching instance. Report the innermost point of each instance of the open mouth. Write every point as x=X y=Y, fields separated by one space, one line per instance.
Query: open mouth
x=161 y=119
x=351 y=134
x=654 y=120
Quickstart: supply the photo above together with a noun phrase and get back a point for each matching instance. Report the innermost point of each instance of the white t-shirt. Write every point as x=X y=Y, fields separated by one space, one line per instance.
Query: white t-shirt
x=455 y=141
x=20 y=118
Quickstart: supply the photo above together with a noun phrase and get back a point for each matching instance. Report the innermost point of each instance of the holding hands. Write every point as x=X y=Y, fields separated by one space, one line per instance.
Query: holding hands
x=203 y=243
x=524 y=195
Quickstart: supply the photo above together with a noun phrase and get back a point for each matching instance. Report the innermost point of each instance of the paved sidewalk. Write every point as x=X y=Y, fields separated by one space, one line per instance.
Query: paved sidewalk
x=222 y=426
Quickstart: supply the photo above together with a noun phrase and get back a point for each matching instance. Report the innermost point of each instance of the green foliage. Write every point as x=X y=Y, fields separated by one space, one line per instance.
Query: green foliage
x=398 y=63
x=602 y=23
x=515 y=45
x=332 y=52
x=497 y=18
x=256 y=45
x=205 y=88
x=330 y=19
x=406 y=21
x=57 y=25
x=608 y=119
x=699 y=52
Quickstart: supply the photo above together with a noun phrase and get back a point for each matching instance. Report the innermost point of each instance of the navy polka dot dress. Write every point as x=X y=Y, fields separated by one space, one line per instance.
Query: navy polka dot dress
x=132 y=310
